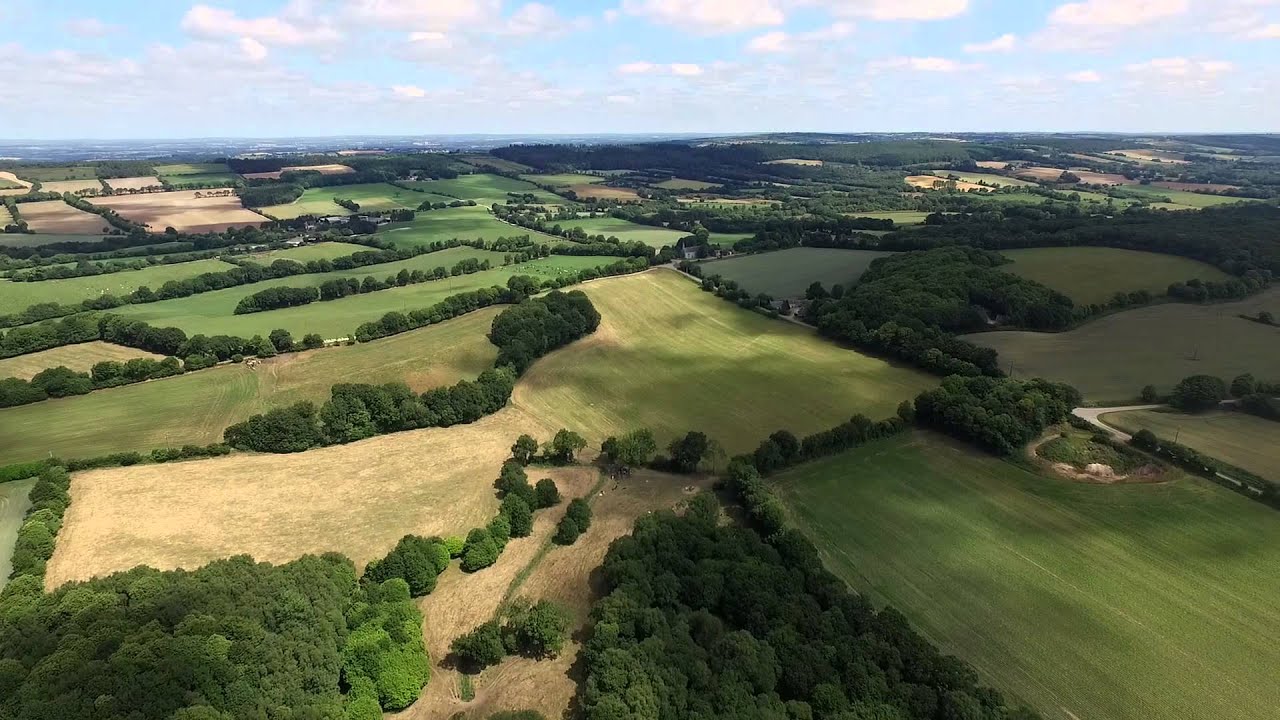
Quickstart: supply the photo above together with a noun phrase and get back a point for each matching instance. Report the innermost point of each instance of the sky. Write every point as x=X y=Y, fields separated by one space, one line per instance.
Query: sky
x=272 y=68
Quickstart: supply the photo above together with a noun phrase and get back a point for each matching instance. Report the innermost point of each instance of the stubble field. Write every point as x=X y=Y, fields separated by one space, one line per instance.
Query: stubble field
x=80 y=357
x=182 y=210
x=57 y=217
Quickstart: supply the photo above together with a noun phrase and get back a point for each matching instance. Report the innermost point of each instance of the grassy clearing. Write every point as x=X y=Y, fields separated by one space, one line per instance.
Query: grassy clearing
x=13 y=506
x=899 y=217
x=1087 y=601
x=314 y=201
x=1243 y=440
x=563 y=179
x=318 y=251
x=484 y=189
x=1182 y=197
x=462 y=223
x=197 y=407
x=212 y=313
x=193 y=169
x=626 y=230
x=786 y=273
x=80 y=357
x=683 y=184
x=56 y=173
x=673 y=358
x=7 y=184
x=199 y=179
x=1094 y=274
x=1112 y=358
x=19 y=295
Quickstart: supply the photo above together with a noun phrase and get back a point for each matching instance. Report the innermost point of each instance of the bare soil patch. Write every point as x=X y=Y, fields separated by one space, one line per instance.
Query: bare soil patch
x=133 y=183
x=1093 y=473
x=332 y=169
x=182 y=210
x=992 y=164
x=55 y=216
x=933 y=182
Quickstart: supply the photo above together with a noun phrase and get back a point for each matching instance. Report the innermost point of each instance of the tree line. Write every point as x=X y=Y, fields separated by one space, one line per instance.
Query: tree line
x=999 y=414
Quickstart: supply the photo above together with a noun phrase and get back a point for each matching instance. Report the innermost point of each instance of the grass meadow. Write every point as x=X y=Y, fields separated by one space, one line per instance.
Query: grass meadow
x=19 y=295
x=461 y=223
x=199 y=179
x=81 y=357
x=626 y=230
x=563 y=179
x=1181 y=199
x=786 y=273
x=1238 y=438
x=212 y=313
x=56 y=173
x=24 y=240
x=483 y=188
x=1110 y=359
x=1124 y=602
x=683 y=184
x=193 y=169
x=672 y=358
x=1094 y=274
x=197 y=407
x=899 y=217
x=13 y=506
x=316 y=251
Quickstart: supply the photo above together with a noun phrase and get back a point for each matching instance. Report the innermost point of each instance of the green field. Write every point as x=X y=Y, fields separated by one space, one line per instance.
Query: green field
x=1181 y=198
x=683 y=184
x=987 y=178
x=672 y=358
x=317 y=251
x=1112 y=358
x=371 y=197
x=314 y=201
x=1125 y=602
x=483 y=188
x=1243 y=440
x=727 y=240
x=563 y=179
x=56 y=173
x=81 y=357
x=899 y=217
x=786 y=273
x=13 y=506
x=212 y=313
x=7 y=184
x=197 y=407
x=461 y=223
x=199 y=179
x=1094 y=274
x=626 y=230
x=193 y=169
x=24 y=240
x=19 y=295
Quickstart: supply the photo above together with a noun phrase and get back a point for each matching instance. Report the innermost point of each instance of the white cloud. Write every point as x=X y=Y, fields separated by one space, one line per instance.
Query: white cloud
x=637 y=68
x=771 y=42
x=893 y=9
x=1181 y=67
x=1266 y=32
x=782 y=42
x=1004 y=43
x=295 y=26
x=537 y=19
x=1116 y=13
x=252 y=49
x=921 y=64
x=620 y=99
x=1084 y=76
x=708 y=16
x=421 y=14
x=90 y=27
x=408 y=91
x=686 y=69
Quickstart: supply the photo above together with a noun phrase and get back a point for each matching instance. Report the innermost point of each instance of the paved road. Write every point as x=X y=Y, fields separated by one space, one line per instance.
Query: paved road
x=1091 y=416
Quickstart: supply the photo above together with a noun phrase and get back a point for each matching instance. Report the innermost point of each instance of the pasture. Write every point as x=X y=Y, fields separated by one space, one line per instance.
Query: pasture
x=25 y=240
x=376 y=197
x=212 y=313
x=1195 y=187
x=200 y=179
x=145 y=182
x=727 y=240
x=313 y=201
x=786 y=273
x=627 y=230
x=485 y=189
x=1149 y=155
x=563 y=179
x=182 y=210
x=1110 y=359
x=315 y=251
x=1088 y=177
x=192 y=169
x=13 y=506
x=1182 y=198
x=1094 y=274
x=72 y=186
x=331 y=169
x=1243 y=440
x=461 y=223
x=19 y=295
x=604 y=192
x=899 y=217
x=672 y=358
x=44 y=173
x=80 y=357
x=11 y=184
x=5 y=217
x=1125 y=602
x=683 y=184
x=197 y=407
x=57 y=217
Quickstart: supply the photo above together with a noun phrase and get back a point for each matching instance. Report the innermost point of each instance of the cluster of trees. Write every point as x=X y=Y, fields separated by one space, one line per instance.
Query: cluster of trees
x=534 y=328
x=1199 y=393
x=639 y=448
x=274 y=298
x=351 y=205
x=62 y=381
x=415 y=560
x=1000 y=414
x=576 y=520
x=708 y=620
x=280 y=297
x=49 y=497
x=535 y=630
x=83 y=268
x=427 y=205
x=520 y=500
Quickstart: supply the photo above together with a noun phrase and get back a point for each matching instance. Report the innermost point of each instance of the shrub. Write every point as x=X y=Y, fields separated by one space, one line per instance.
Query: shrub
x=1149 y=394
x=481 y=647
x=480 y=551
x=546 y=493
x=567 y=532
x=524 y=449
x=518 y=515
x=454 y=545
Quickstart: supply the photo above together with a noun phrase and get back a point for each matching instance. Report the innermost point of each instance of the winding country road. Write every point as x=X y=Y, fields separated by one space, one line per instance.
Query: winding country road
x=1092 y=416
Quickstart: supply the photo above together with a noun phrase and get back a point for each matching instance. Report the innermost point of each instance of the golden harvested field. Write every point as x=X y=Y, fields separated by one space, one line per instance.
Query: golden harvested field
x=182 y=210
x=332 y=169
x=133 y=183
x=71 y=186
x=357 y=499
x=80 y=357
x=55 y=216
x=23 y=185
x=933 y=182
x=5 y=217
x=1049 y=174
x=1195 y=187
x=992 y=164
x=604 y=192
x=1150 y=155
x=795 y=161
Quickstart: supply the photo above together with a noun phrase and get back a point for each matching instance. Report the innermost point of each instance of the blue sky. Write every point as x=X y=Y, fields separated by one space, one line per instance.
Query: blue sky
x=174 y=68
